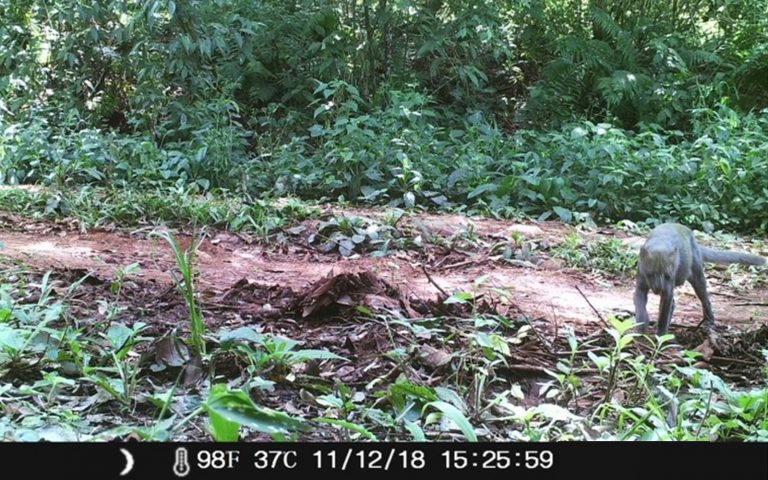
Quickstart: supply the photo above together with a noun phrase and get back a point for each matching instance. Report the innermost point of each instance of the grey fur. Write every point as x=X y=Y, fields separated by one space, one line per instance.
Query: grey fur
x=719 y=256
x=669 y=258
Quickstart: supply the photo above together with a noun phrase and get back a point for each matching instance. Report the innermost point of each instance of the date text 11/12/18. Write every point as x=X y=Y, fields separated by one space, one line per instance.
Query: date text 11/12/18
x=452 y=459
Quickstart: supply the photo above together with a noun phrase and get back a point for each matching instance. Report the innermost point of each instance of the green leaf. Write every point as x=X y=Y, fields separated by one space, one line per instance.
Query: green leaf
x=10 y=338
x=450 y=396
x=118 y=335
x=93 y=173
x=625 y=340
x=417 y=391
x=556 y=412
x=303 y=355
x=316 y=130
x=201 y=153
x=492 y=341
x=564 y=214
x=409 y=199
x=223 y=430
x=329 y=401
x=456 y=417
x=240 y=335
x=460 y=297
x=415 y=430
x=577 y=133
x=487 y=187
x=352 y=427
x=237 y=407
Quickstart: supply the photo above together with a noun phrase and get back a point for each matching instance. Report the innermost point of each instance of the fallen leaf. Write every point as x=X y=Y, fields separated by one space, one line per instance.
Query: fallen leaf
x=434 y=357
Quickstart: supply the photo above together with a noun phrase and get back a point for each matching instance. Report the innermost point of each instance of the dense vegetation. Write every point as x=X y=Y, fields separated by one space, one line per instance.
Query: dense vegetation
x=613 y=108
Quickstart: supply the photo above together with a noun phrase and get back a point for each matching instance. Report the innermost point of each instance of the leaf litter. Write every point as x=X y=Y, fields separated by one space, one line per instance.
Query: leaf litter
x=411 y=313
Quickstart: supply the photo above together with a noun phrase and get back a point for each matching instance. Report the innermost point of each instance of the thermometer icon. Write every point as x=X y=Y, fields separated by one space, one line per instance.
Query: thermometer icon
x=181 y=465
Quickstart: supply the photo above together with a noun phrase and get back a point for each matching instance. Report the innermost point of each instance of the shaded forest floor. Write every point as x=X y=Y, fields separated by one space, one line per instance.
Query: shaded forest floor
x=302 y=284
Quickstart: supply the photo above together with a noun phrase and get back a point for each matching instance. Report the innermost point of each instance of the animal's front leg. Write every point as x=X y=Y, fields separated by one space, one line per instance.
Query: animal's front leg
x=666 y=308
x=641 y=299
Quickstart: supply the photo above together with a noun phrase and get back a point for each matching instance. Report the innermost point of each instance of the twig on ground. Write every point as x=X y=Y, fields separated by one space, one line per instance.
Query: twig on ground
x=592 y=307
x=429 y=278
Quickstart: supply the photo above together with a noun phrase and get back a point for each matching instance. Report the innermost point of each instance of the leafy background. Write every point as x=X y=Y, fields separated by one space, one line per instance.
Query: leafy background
x=644 y=111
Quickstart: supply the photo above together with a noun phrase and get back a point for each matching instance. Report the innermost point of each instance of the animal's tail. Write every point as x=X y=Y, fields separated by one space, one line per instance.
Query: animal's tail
x=719 y=256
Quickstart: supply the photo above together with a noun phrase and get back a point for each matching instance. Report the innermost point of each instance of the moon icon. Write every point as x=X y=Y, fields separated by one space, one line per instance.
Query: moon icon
x=128 y=462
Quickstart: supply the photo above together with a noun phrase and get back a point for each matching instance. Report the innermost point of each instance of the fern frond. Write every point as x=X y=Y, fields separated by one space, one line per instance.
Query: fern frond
x=605 y=23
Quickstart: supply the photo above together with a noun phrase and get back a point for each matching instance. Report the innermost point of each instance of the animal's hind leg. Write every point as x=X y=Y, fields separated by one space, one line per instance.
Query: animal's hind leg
x=699 y=284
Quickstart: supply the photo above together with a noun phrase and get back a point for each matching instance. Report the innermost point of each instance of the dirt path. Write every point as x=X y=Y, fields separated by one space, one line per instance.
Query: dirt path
x=547 y=292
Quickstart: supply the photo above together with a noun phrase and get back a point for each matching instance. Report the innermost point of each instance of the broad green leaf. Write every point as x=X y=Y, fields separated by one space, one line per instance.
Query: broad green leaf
x=460 y=297
x=415 y=430
x=564 y=214
x=223 y=430
x=417 y=391
x=488 y=187
x=352 y=427
x=303 y=355
x=241 y=335
x=236 y=406
x=456 y=417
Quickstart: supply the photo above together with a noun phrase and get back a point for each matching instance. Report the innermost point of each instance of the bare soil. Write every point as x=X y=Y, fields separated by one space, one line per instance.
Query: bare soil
x=224 y=260
x=286 y=285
